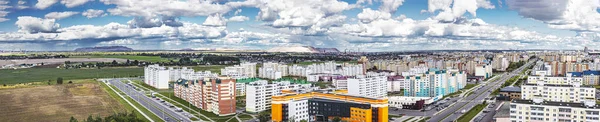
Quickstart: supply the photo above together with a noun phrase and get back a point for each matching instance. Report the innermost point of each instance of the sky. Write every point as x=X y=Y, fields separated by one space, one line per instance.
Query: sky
x=348 y=25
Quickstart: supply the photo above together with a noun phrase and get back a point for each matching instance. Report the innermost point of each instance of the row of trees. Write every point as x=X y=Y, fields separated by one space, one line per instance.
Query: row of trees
x=515 y=65
x=116 y=117
x=42 y=56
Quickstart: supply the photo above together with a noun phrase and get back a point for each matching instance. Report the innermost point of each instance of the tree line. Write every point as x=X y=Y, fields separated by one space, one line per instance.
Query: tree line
x=116 y=117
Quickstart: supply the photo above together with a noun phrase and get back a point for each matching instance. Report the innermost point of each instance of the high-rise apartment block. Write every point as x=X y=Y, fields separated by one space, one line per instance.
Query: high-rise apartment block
x=243 y=70
x=216 y=95
x=259 y=93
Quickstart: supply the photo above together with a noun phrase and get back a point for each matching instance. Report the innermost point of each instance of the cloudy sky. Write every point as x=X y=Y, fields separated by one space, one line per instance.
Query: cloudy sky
x=366 y=25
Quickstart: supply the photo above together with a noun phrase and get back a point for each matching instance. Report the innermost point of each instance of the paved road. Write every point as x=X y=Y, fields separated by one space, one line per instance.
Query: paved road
x=479 y=95
x=166 y=113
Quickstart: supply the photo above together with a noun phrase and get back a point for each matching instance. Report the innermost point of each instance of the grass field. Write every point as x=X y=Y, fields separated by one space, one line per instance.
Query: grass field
x=14 y=76
x=130 y=57
x=211 y=68
x=56 y=102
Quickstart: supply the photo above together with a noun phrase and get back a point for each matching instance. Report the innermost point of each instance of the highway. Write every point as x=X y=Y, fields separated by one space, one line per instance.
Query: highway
x=155 y=106
x=451 y=113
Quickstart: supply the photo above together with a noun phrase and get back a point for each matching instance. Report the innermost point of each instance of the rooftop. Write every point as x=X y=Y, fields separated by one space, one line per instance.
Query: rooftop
x=550 y=103
x=510 y=89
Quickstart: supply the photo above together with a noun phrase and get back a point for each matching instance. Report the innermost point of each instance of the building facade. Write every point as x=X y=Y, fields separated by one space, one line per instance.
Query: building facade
x=216 y=95
x=259 y=93
x=320 y=107
x=368 y=86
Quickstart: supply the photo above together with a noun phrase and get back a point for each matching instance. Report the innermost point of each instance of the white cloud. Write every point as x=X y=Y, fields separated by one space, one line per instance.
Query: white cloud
x=74 y=3
x=43 y=4
x=577 y=15
x=368 y=15
x=60 y=15
x=120 y=42
x=390 y=6
x=92 y=13
x=109 y=31
x=21 y=5
x=238 y=19
x=215 y=20
x=30 y=24
x=3 y=13
x=451 y=10
x=173 y=8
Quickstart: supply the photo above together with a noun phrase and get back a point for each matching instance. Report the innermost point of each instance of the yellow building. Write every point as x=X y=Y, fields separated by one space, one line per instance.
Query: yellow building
x=316 y=106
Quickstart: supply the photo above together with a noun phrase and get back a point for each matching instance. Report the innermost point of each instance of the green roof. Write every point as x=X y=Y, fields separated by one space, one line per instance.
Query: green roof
x=246 y=80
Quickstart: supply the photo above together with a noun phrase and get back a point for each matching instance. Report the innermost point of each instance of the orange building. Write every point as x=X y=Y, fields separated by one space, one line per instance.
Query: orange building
x=316 y=106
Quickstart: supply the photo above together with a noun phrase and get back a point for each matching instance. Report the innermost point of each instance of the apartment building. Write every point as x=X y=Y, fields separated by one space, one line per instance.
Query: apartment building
x=484 y=70
x=589 y=77
x=434 y=83
x=322 y=107
x=368 y=86
x=395 y=83
x=159 y=76
x=326 y=68
x=568 y=79
x=156 y=76
x=574 y=92
x=215 y=95
x=243 y=70
x=538 y=110
x=259 y=93
x=272 y=70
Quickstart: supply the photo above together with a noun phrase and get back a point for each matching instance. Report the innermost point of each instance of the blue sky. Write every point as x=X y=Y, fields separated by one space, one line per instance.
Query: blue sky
x=371 y=25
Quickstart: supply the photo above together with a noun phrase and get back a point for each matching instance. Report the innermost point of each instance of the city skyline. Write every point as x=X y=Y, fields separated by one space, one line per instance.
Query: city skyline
x=366 y=25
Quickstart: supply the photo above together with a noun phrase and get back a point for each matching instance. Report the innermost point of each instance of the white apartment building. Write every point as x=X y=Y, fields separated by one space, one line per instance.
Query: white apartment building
x=340 y=83
x=483 y=70
x=269 y=73
x=574 y=92
x=156 y=76
x=538 y=110
x=568 y=79
x=368 y=86
x=396 y=83
x=259 y=93
x=327 y=68
x=243 y=70
x=272 y=70
x=199 y=75
x=176 y=73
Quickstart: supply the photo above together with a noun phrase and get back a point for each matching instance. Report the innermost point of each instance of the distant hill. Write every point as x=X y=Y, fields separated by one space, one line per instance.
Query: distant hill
x=104 y=49
x=327 y=50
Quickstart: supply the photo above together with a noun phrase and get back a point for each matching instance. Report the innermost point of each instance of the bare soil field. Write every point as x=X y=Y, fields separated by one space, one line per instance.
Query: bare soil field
x=56 y=103
x=58 y=60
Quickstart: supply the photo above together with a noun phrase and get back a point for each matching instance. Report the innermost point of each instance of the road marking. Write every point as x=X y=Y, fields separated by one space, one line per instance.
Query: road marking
x=146 y=116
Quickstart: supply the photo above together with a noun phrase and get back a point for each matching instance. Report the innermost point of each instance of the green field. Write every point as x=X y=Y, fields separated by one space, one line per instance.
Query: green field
x=211 y=68
x=14 y=76
x=130 y=57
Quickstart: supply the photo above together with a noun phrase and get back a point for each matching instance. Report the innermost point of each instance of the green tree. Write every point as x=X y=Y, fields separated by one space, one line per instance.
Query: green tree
x=73 y=119
x=59 y=80
x=70 y=82
x=264 y=117
x=337 y=119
